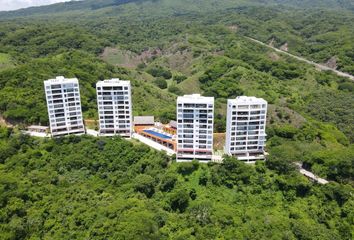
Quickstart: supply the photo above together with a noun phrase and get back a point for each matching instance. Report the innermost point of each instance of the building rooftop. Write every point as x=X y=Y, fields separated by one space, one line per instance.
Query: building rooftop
x=247 y=100
x=144 y=120
x=61 y=79
x=113 y=82
x=173 y=124
x=195 y=98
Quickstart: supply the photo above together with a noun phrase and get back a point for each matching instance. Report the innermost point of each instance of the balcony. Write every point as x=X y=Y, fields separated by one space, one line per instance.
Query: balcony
x=188 y=116
x=242 y=119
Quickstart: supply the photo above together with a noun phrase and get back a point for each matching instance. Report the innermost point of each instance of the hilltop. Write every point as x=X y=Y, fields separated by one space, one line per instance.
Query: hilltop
x=172 y=7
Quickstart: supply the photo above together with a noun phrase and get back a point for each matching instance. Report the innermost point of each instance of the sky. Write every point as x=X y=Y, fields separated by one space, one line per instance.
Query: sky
x=6 y=5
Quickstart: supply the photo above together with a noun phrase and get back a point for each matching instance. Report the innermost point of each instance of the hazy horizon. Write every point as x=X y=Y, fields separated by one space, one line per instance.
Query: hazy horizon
x=10 y=5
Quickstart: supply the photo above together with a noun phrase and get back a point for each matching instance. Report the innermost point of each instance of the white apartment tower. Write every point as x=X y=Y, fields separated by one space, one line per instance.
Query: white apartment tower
x=114 y=107
x=195 y=120
x=64 y=106
x=245 y=128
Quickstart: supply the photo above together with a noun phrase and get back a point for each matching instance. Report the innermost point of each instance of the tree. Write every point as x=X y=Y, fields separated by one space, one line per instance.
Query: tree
x=145 y=184
x=286 y=131
x=282 y=166
x=187 y=168
x=160 y=72
x=203 y=179
x=179 y=200
x=168 y=182
x=179 y=78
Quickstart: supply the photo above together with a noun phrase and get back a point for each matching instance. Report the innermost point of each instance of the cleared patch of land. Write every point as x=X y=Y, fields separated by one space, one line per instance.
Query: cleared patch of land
x=128 y=59
x=219 y=141
x=3 y=122
x=191 y=84
x=91 y=123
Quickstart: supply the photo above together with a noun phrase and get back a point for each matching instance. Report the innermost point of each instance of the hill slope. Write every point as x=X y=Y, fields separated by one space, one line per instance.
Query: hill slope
x=103 y=188
x=313 y=29
x=185 y=6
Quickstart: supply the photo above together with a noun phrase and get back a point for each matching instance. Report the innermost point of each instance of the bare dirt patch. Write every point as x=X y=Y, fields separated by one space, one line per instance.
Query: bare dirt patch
x=233 y=28
x=180 y=61
x=332 y=63
x=285 y=47
x=219 y=141
x=271 y=42
x=178 y=57
x=3 y=122
x=126 y=58
x=273 y=56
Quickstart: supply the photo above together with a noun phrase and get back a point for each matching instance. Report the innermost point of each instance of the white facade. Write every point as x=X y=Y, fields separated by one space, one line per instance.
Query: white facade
x=64 y=106
x=245 y=128
x=114 y=107
x=195 y=120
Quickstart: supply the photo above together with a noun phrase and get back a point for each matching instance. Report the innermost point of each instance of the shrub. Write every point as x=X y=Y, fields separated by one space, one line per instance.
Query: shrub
x=174 y=89
x=161 y=83
x=160 y=72
x=347 y=86
x=179 y=78
x=286 y=131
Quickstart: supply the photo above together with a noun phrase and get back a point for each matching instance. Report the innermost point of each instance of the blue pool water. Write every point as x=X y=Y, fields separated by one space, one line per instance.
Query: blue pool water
x=160 y=135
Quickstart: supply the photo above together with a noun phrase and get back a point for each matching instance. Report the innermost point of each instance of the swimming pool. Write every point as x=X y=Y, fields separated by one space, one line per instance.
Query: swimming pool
x=160 y=135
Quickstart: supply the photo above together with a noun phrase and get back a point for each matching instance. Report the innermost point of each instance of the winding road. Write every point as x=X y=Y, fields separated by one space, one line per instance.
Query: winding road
x=317 y=65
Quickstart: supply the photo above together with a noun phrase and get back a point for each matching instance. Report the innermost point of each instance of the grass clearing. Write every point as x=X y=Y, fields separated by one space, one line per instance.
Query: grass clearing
x=5 y=61
x=191 y=84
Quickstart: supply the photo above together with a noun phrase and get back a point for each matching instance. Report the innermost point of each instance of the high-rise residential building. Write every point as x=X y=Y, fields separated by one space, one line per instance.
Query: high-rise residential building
x=64 y=106
x=115 y=107
x=245 y=128
x=195 y=119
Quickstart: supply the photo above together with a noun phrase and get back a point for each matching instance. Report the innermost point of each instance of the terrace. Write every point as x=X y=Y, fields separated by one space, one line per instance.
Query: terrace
x=159 y=136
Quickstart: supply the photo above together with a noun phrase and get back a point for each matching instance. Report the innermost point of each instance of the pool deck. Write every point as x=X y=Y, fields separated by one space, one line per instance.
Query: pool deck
x=153 y=144
x=157 y=134
x=160 y=138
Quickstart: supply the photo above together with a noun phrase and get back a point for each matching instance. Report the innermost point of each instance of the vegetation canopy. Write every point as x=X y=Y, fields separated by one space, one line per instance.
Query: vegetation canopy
x=102 y=188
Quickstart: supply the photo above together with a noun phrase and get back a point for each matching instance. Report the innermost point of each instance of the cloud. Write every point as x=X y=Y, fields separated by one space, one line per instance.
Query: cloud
x=6 y=5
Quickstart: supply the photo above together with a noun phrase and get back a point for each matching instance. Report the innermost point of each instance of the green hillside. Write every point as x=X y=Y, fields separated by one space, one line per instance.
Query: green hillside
x=102 y=188
x=85 y=188
x=313 y=29
x=172 y=6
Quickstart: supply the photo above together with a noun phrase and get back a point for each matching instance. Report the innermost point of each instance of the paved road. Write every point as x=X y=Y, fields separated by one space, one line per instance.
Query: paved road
x=310 y=175
x=320 y=66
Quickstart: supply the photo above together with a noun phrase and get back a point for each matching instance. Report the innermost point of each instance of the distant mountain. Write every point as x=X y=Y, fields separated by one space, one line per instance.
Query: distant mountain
x=171 y=6
x=344 y=4
x=86 y=5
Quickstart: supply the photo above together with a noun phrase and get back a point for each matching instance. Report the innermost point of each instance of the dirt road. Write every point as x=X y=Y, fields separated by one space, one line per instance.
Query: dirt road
x=319 y=66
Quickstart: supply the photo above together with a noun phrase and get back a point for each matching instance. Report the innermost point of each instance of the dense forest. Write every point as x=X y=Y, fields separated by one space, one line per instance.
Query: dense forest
x=169 y=48
x=89 y=188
